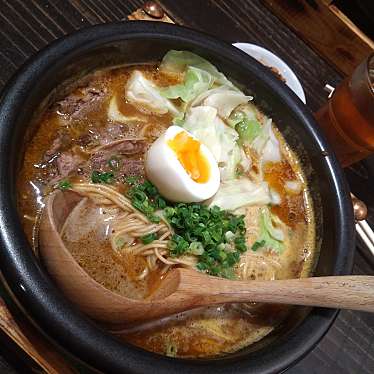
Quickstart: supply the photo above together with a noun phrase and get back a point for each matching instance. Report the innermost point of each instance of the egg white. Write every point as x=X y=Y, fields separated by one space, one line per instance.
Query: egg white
x=164 y=170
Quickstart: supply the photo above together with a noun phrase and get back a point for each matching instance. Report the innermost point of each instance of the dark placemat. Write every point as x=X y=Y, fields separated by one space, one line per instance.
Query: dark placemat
x=28 y=25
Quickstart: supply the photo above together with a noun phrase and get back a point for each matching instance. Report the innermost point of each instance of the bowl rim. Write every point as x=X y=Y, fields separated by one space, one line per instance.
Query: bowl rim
x=33 y=290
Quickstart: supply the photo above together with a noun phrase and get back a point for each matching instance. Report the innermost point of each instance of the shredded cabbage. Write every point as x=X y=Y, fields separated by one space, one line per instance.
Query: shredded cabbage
x=271 y=237
x=238 y=193
x=141 y=91
x=195 y=82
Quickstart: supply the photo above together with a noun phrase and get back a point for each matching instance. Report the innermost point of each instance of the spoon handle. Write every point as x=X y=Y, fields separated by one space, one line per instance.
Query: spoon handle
x=344 y=292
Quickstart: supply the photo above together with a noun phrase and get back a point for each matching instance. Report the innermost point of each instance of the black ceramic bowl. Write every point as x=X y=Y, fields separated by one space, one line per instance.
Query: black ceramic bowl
x=135 y=42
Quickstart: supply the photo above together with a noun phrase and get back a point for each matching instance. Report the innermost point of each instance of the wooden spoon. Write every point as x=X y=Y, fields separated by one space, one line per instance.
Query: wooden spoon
x=183 y=289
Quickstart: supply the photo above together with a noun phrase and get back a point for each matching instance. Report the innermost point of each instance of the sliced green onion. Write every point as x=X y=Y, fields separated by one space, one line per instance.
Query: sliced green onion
x=64 y=185
x=149 y=238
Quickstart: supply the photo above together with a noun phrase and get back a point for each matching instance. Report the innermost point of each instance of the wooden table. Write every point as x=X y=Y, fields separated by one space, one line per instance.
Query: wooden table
x=28 y=25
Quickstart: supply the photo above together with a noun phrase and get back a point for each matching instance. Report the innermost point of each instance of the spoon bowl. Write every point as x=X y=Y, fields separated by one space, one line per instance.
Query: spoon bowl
x=91 y=297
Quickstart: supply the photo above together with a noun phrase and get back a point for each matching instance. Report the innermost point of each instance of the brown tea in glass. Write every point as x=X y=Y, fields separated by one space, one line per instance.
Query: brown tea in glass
x=347 y=118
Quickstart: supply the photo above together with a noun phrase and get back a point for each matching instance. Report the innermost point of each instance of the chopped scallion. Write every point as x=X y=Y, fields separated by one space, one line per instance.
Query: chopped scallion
x=215 y=236
x=98 y=177
x=64 y=185
x=149 y=238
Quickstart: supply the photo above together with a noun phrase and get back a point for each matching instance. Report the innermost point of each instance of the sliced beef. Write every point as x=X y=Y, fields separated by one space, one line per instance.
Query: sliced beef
x=85 y=140
x=131 y=167
x=55 y=147
x=67 y=162
x=126 y=147
x=62 y=141
x=80 y=101
x=48 y=175
x=99 y=160
x=112 y=132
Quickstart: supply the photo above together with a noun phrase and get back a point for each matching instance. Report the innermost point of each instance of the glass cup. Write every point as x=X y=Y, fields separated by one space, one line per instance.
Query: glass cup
x=347 y=119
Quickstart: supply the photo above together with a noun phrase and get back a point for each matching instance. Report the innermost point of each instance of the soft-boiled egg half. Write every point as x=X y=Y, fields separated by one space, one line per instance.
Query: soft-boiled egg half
x=183 y=169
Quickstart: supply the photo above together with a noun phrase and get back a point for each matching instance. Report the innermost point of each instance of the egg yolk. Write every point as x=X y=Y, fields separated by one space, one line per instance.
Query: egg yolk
x=190 y=156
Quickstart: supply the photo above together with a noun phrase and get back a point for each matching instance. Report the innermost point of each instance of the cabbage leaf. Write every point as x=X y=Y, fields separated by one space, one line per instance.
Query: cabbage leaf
x=238 y=193
x=229 y=166
x=178 y=61
x=195 y=82
x=247 y=111
x=203 y=123
x=271 y=237
x=231 y=154
x=115 y=115
x=252 y=134
x=145 y=93
x=266 y=144
x=226 y=101
x=248 y=129
x=199 y=100
x=223 y=98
